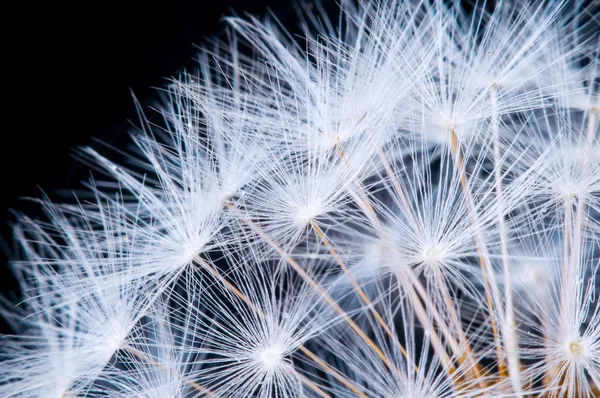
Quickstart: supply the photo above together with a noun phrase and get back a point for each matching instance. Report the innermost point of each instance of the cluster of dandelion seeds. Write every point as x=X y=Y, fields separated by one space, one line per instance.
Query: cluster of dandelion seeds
x=402 y=202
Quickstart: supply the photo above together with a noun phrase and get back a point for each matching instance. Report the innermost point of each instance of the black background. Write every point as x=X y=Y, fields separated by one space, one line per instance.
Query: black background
x=69 y=74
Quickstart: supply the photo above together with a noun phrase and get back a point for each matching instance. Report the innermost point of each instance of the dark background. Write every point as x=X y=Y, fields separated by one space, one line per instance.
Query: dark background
x=69 y=76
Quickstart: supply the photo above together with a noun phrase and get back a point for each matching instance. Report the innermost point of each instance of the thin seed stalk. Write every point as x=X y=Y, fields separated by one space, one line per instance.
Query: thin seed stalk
x=319 y=289
x=358 y=289
x=468 y=355
x=440 y=350
x=488 y=275
x=213 y=271
x=510 y=337
x=309 y=383
x=142 y=356
x=373 y=216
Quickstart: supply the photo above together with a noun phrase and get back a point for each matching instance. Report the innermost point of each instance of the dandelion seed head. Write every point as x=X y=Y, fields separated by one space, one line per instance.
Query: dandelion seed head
x=382 y=257
x=113 y=339
x=569 y=189
x=581 y=102
x=567 y=169
x=529 y=276
x=442 y=128
x=61 y=388
x=576 y=348
x=447 y=124
x=581 y=153
x=433 y=255
x=328 y=140
x=305 y=214
x=226 y=194
x=189 y=251
x=485 y=81
x=271 y=357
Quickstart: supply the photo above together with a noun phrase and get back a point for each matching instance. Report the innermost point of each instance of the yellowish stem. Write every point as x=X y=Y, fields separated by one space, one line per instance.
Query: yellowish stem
x=487 y=273
x=511 y=342
x=317 y=287
x=411 y=215
x=358 y=289
x=440 y=350
x=213 y=271
x=310 y=384
x=468 y=355
x=140 y=355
